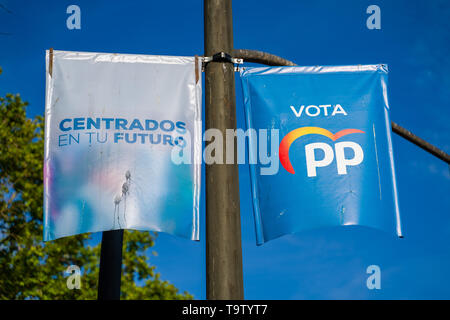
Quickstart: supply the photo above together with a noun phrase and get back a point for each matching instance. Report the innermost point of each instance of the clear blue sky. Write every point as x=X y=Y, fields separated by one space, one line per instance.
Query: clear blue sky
x=414 y=41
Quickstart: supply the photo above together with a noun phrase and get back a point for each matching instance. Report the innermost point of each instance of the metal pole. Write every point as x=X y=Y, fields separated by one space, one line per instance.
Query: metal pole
x=223 y=226
x=262 y=57
x=411 y=137
x=110 y=265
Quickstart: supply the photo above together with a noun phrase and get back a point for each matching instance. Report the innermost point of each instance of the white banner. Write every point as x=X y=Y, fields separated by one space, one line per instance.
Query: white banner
x=112 y=121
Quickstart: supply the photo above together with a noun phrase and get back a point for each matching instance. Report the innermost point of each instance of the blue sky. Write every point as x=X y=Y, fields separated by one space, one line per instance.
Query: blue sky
x=319 y=264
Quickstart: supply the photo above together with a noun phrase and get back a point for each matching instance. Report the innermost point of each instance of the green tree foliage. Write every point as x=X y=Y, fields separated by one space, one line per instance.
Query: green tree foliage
x=32 y=269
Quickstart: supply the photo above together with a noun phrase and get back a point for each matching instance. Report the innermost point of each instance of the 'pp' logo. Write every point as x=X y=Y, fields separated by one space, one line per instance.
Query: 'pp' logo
x=311 y=162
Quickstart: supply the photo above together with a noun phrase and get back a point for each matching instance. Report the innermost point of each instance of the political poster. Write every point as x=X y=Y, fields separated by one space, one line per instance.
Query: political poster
x=333 y=140
x=112 y=122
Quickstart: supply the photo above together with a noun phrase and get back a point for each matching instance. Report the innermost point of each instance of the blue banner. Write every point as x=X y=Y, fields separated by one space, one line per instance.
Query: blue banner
x=334 y=148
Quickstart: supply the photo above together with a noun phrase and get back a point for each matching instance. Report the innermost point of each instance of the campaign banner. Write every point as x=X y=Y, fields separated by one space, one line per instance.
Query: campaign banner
x=334 y=147
x=112 y=122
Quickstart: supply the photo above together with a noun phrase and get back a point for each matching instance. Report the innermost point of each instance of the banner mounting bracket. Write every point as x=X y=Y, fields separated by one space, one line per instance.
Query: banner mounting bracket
x=221 y=57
